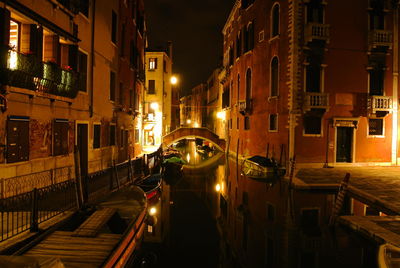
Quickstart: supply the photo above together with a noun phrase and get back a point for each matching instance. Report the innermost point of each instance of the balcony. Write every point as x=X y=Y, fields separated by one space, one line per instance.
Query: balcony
x=379 y=104
x=26 y=71
x=380 y=38
x=316 y=31
x=245 y=106
x=315 y=100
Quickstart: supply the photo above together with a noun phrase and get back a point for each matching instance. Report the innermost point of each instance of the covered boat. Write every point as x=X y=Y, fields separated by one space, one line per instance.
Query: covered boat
x=263 y=168
x=151 y=185
x=106 y=235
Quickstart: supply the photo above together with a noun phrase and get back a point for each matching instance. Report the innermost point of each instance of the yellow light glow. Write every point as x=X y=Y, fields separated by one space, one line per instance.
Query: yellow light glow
x=221 y=115
x=188 y=157
x=174 y=80
x=188 y=121
x=154 y=105
x=12 y=60
x=196 y=124
x=218 y=187
x=152 y=211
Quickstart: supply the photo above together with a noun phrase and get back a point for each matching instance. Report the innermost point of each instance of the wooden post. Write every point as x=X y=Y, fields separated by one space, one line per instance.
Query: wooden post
x=291 y=173
x=130 y=173
x=116 y=174
x=78 y=181
x=339 y=199
x=34 y=211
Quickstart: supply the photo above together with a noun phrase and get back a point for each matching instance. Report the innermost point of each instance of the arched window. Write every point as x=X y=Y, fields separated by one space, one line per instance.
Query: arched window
x=249 y=37
x=275 y=21
x=248 y=86
x=274 y=76
x=238 y=45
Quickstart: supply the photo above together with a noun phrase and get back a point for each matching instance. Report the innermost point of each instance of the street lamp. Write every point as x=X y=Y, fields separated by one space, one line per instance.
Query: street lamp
x=174 y=80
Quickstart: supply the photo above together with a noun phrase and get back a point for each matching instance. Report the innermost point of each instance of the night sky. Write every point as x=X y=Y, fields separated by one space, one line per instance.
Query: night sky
x=195 y=28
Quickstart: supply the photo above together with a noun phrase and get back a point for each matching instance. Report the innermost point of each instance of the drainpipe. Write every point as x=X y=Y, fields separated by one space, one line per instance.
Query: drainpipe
x=395 y=81
x=92 y=59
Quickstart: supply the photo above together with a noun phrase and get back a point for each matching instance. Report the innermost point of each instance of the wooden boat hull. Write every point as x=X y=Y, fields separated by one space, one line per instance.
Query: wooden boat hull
x=256 y=171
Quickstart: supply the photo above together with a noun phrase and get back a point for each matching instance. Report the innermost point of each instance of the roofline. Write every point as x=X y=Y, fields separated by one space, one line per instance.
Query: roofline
x=231 y=14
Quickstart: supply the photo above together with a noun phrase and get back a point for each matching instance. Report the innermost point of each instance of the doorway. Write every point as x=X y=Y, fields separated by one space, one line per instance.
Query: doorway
x=344 y=144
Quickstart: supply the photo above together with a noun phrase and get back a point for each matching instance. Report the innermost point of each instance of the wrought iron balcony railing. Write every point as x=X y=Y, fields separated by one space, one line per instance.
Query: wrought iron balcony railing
x=316 y=100
x=316 y=31
x=26 y=71
x=380 y=104
x=378 y=38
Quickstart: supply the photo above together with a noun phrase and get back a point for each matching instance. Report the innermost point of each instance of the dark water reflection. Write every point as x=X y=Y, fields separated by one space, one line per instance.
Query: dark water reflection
x=220 y=218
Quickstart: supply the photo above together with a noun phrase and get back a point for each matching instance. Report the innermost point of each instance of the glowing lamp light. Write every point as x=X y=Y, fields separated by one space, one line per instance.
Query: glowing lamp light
x=188 y=158
x=221 y=115
x=152 y=211
x=218 y=187
x=188 y=121
x=196 y=124
x=154 y=105
x=174 y=80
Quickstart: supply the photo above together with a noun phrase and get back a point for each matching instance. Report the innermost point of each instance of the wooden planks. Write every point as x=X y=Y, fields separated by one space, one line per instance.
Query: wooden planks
x=76 y=251
x=94 y=223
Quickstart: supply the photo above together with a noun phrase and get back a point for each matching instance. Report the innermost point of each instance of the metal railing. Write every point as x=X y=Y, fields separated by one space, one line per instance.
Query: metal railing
x=27 y=210
x=26 y=71
x=43 y=195
x=25 y=183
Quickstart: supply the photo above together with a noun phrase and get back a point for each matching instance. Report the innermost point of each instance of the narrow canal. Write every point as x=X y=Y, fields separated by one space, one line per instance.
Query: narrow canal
x=220 y=218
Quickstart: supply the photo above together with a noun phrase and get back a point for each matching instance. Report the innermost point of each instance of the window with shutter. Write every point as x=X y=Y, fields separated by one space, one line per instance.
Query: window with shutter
x=60 y=137
x=96 y=136
x=17 y=139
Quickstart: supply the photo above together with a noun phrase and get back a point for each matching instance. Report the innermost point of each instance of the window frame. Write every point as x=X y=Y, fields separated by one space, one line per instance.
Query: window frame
x=61 y=150
x=95 y=125
x=152 y=64
x=313 y=135
x=271 y=78
x=274 y=34
x=276 y=123
x=383 y=127
x=114 y=27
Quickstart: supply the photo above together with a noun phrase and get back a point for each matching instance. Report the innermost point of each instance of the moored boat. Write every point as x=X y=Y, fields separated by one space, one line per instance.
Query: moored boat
x=151 y=185
x=106 y=235
x=262 y=168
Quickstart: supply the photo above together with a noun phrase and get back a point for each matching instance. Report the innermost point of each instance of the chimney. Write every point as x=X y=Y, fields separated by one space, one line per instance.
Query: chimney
x=170 y=50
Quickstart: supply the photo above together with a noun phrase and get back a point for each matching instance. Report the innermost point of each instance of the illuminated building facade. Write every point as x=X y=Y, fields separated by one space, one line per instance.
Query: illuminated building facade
x=158 y=108
x=298 y=76
x=65 y=82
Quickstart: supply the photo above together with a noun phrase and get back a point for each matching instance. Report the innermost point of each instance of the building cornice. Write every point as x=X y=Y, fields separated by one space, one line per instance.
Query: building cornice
x=231 y=15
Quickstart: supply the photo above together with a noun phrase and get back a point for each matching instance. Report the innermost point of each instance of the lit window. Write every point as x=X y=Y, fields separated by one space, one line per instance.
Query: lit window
x=14 y=32
x=152 y=63
x=375 y=127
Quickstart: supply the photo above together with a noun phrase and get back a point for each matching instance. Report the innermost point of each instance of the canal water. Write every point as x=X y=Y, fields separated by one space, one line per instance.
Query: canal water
x=220 y=218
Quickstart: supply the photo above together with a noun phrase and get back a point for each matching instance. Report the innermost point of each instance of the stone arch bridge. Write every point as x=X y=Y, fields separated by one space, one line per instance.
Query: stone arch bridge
x=186 y=132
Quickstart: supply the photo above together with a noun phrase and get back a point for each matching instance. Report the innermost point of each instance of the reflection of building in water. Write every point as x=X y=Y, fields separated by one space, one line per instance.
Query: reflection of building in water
x=263 y=225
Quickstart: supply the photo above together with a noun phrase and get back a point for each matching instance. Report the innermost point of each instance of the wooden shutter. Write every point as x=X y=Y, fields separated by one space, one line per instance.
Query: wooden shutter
x=17 y=140
x=73 y=57
x=4 y=26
